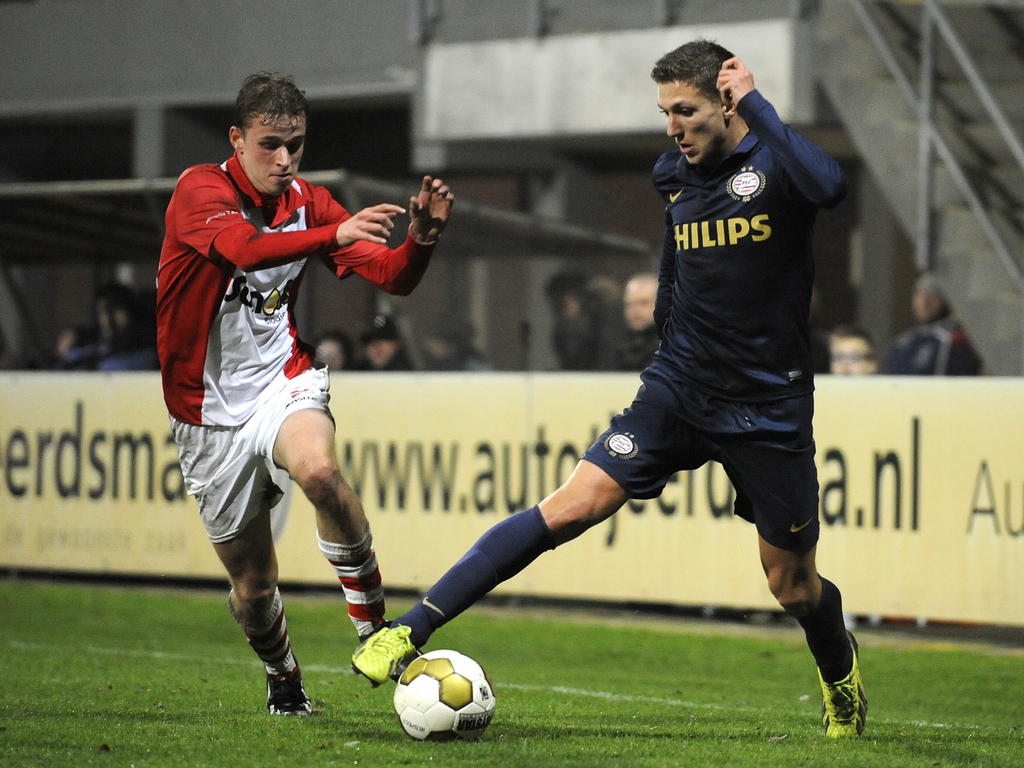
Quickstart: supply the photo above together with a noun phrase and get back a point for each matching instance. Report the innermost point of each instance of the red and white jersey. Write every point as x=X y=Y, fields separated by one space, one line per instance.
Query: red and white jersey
x=229 y=273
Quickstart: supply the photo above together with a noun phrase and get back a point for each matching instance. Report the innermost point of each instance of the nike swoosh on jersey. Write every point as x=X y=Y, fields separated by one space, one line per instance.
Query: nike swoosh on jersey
x=794 y=528
x=675 y=196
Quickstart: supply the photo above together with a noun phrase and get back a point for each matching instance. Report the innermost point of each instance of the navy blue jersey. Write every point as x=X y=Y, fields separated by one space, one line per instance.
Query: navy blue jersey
x=737 y=268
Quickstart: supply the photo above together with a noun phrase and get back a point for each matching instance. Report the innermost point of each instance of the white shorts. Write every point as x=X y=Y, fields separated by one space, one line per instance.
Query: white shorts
x=231 y=470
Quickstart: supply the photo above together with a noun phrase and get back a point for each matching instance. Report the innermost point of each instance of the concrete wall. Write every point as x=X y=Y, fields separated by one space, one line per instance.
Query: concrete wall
x=117 y=88
x=98 y=55
x=61 y=56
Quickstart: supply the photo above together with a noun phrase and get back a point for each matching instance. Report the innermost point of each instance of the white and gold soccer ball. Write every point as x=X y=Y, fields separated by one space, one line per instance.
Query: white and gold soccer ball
x=444 y=695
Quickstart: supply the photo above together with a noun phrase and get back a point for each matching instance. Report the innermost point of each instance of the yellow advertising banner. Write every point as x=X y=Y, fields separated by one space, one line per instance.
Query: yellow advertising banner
x=922 y=489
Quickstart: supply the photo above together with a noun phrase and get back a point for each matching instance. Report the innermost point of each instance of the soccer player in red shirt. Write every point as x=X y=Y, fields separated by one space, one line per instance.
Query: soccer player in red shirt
x=248 y=407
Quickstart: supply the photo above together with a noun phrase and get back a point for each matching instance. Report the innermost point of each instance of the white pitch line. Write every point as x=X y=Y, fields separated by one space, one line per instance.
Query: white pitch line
x=608 y=696
x=559 y=689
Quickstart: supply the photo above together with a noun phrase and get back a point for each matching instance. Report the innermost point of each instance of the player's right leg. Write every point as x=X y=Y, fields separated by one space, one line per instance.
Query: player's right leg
x=589 y=496
x=255 y=603
x=633 y=458
x=235 y=492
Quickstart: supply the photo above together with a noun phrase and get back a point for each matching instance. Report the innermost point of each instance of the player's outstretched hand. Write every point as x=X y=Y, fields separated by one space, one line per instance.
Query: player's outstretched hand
x=373 y=224
x=429 y=210
x=734 y=81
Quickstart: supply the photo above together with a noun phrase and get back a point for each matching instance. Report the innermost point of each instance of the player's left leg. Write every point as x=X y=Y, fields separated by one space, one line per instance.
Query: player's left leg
x=776 y=483
x=816 y=603
x=305 y=447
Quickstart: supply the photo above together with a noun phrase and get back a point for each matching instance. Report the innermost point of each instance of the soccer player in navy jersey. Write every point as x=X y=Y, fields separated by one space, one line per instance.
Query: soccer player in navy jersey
x=732 y=380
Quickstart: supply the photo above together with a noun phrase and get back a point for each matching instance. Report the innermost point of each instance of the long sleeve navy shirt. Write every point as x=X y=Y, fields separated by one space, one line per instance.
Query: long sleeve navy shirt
x=737 y=268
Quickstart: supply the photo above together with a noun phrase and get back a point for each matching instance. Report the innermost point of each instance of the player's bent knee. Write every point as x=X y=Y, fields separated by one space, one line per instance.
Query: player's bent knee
x=779 y=580
x=798 y=609
x=313 y=472
x=794 y=596
x=789 y=582
x=320 y=481
x=251 y=597
x=569 y=521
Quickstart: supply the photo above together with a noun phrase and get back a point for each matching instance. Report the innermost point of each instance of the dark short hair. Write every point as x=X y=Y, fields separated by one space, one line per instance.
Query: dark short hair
x=697 y=62
x=271 y=95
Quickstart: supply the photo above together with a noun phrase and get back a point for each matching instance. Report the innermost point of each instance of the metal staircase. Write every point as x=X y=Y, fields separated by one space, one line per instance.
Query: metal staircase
x=932 y=95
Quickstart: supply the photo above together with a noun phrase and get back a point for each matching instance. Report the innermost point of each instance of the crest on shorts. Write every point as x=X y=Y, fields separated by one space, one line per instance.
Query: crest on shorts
x=621 y=445
x=746 y=184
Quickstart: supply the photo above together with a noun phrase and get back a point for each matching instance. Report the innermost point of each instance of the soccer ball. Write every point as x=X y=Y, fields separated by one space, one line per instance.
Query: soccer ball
x=444 y=695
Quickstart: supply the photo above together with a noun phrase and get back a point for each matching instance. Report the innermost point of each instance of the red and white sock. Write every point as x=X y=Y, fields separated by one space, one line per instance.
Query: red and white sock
x=356 y=567
x=268 y=636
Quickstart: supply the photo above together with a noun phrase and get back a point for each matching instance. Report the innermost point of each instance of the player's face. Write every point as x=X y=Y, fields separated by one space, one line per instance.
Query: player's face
x=270 y=152
x=695 y=123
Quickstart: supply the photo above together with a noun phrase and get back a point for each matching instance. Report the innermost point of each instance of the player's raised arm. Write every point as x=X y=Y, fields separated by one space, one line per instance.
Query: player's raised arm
x=816 y=174
x=399 y=271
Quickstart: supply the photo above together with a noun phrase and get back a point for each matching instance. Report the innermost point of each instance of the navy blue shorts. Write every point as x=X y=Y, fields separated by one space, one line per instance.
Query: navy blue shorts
x=767 y=450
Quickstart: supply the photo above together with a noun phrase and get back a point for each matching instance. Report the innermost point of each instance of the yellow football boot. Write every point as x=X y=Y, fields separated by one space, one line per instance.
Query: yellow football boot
x=384 y=654
x=844 y=707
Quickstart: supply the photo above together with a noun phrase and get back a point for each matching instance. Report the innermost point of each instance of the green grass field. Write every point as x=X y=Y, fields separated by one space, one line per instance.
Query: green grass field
x=123 y=676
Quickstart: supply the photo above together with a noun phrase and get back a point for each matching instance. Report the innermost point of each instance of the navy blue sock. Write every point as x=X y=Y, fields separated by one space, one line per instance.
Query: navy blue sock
x=826 y=635
x=499 y=554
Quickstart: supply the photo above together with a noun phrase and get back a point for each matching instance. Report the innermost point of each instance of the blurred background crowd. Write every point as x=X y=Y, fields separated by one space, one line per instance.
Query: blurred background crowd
x=600 y=325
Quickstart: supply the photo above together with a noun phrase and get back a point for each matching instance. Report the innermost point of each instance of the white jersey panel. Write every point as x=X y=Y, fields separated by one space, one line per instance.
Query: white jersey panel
x=252 y=337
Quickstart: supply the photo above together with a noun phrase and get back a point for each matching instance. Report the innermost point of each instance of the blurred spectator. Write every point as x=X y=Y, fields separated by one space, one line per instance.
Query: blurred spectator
x=581 y=309
x=452 y=349
x=635 y=350
x=334 y=349
x=852 y=352
x=122 y=339
x=383 y=348
x=76 y=347
x=937 y=345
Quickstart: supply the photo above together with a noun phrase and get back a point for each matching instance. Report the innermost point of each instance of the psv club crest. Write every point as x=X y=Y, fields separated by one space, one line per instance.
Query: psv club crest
x=621 y=445
x=745 y=184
